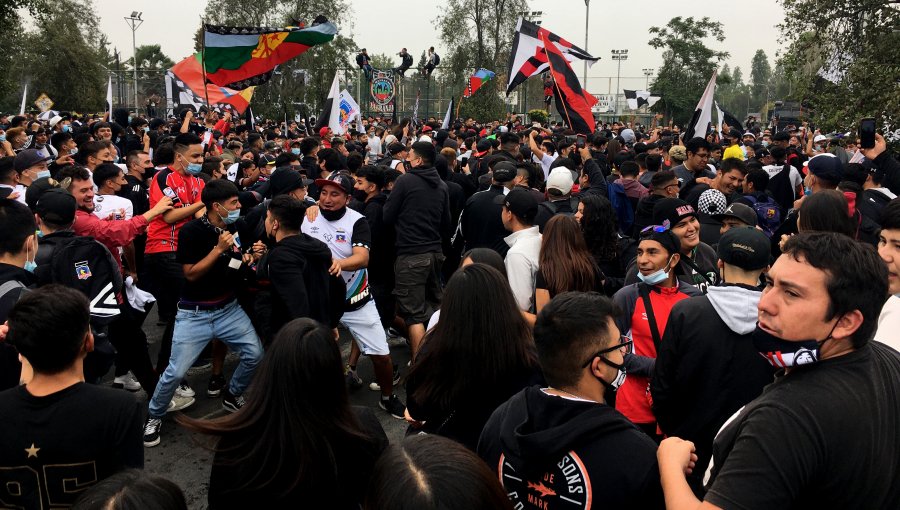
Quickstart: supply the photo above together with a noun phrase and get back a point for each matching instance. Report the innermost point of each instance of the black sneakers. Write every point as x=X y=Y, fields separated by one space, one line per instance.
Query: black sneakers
x=393 y=406
x=353 y=380
x=374 y=386
x=232 y=403
x=151 y=432
x=216 y=383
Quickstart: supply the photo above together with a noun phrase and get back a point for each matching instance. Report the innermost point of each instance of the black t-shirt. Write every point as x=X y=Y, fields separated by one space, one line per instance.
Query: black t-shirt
x=195 y=240
x=53 y=448
x=137 y=192
x=823 y=436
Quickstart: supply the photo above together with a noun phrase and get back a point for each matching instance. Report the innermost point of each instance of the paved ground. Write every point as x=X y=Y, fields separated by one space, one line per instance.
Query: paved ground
x=180 y=458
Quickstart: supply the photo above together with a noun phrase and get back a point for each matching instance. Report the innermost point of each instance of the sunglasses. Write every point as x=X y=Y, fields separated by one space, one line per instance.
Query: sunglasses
x=648 y=231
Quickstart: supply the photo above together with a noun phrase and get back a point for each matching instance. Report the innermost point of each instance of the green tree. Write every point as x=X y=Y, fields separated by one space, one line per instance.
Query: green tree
x=760 y=79
x=67 y=63
x=689 y=63
x=842 y=59
x=152 y=64
x=301 y=84
x=479 y=34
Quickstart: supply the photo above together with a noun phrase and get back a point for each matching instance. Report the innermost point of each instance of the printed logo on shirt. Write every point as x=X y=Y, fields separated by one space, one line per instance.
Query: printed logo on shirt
x=565 y=485
x=340 y=237
x=82 y=270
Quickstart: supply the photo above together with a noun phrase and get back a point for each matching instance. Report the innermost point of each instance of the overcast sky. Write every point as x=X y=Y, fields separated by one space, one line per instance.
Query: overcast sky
x=748 y=26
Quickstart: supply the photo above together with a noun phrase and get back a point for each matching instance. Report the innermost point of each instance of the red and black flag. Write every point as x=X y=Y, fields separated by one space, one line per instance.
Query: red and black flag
x=572 y=102
x=527 y=57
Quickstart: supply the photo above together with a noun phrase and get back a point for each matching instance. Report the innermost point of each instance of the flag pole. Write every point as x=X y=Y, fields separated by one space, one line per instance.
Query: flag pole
x=203 y=59
x=459 y=104
x=558 y=92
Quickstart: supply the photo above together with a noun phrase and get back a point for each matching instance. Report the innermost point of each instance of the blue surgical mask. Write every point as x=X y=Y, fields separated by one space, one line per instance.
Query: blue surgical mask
x=3 y=137
x=39 y=234
x=194 y=168
x=146 y=129
x=655 y=277
x=43 y=173
x=295 y=150
x=232 y=216
x=30 y=266
x=67 y=129
x=807 y=191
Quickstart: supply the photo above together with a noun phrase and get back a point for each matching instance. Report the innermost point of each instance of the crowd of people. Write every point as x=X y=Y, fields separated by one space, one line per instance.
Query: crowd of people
x=629 y=319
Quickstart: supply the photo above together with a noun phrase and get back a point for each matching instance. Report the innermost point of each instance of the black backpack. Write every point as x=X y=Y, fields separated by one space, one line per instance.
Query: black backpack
x=86 y=265
x=437 y=59
x=554 y=209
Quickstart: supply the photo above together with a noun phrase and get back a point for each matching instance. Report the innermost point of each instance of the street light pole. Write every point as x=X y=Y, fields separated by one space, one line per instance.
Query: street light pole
x=134 y=21
x=587 y=21
x=648 y=73
x=619 y=56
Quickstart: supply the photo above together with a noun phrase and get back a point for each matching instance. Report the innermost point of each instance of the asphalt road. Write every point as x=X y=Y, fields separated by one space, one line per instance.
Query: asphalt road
x=181 y=458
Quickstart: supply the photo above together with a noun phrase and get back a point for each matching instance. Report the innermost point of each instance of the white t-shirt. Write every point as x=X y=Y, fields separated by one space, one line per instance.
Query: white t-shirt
x=105 y=204
x=794 y=176
x=545 y=163
x=889 y=323
x=374 y=146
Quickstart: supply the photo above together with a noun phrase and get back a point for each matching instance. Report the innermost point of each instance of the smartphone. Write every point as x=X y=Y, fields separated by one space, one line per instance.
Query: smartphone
x=580 y=141
x=867 y=133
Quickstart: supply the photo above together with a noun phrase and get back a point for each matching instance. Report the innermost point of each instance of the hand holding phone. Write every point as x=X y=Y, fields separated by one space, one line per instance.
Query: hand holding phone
x=867 y=133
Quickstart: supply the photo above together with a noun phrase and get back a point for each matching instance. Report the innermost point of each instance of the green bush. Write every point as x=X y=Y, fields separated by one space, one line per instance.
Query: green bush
x=538 y=116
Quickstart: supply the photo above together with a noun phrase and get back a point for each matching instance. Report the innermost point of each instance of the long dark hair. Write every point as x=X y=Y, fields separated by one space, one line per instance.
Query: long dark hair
x=826 y=211
x=296 y=409
x=432 y=472
x=598 y=223
x=480 y=341
x=564 y=260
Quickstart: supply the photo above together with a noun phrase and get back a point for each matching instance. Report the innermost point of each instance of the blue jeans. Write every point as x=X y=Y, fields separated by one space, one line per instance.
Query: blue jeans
x=193 y=330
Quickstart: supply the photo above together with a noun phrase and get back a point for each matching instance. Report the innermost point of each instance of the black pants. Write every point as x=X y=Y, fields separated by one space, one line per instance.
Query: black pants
x=128 y=337
x=166 y=282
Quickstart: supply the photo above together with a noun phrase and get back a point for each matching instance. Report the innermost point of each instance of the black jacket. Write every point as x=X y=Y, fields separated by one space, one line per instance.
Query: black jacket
x=890 y=167
x=9 y=357
x=707 y=367
x=480 y=224
x=296 y=270
x=310 y=165
x=543 y=447
x=643 y=214
x=419 y=209
x=551 y=208
x=382 y=252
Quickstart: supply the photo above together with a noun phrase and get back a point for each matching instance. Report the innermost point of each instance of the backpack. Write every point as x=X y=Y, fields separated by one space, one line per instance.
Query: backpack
x=360 y=60
x=768 y=214
x=554 y=209
x=781 y=190
x=437 y=59
x=407 y=61
x=86 y=265
x=621 y=205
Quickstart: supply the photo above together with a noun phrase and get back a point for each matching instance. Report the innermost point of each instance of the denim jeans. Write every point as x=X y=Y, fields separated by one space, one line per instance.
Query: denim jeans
x=193 y=330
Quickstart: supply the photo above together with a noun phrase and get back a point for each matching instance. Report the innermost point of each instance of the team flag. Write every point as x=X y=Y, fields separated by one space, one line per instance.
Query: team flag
x=240 y=57
x=638 y=98
x=449 y=116
x=699 y=122
x=728 y=119
x=328 y=110
x=478 y=79
x=25 y=96
x=528 y=58
x=185 y=84
x=346 y=112
x=572 y=102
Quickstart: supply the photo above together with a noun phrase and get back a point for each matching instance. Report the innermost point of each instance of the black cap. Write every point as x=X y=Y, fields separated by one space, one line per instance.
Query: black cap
x=56 y=206
x=337 y=179
x=826 y=166
x=781 y=136
x=745 y=247
x=286 y=179
x=39 y=187
x=28 y=158
x=663 y=236
x=740 y=212
x=669 y=211
x=396 y=148
x=521 y=203
x=504 y=171
x=482 y=146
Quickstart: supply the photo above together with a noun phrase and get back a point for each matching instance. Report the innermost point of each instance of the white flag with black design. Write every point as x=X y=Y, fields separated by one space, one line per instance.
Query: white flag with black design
x=449 y=115
x=639 y=98
x=699 y=122
x=333 y=94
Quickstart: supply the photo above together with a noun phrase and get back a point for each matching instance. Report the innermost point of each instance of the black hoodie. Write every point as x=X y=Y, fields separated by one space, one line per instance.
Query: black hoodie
x=419 y=209
x=643 y=214
x=554 y=452
x=299 y=285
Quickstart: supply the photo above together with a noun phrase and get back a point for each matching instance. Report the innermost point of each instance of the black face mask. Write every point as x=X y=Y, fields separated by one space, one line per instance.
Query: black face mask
x=359 y=195
x=333 y=215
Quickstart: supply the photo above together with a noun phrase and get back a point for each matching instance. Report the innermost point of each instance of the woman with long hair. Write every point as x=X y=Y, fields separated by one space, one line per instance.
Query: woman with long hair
x=564 y=262
x=485 y=256
x=478 y=355
x=297 y=442
x=609 y=248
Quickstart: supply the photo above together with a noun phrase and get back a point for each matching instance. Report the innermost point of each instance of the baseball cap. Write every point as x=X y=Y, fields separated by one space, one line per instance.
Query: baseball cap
x=323 y=131
x=712 y=201
x=56 y=206
x=669 y=211
x=40 y=186
x=663 y=236
x=825 y=166
x=504 y=171
x=745 y=247
x=560 y=180
x=266 y=160
x=285 y=180
x=740 y=212
x=55 y=120
x=819 y=138
x=28 y=158
x=339 y=180
x=627 y=135
x=520 y=202
x=751 y=135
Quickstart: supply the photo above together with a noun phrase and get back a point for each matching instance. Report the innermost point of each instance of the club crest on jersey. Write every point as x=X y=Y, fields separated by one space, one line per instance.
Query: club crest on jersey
x=340 y=238
x=82 y=270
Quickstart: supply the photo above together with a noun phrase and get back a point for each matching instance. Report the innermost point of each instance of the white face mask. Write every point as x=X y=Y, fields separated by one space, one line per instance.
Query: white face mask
x=657 y=276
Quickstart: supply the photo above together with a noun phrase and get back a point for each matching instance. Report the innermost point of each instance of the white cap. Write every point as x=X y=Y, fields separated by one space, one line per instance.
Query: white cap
x=819 y=138
x=627 y=135
x=425 y=138
x=561 y=180
x=504 y=129
x=55 y=120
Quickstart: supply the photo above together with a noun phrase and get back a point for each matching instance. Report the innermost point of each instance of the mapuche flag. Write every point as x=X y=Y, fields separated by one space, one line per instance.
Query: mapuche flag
x=187 y=87
x=239 y=57
x=572 y=102
x=527 y=57
x=478 y=79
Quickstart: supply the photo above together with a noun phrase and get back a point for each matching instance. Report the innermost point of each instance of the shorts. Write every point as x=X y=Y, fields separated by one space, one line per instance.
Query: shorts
x=365 y=326
x=417 y=286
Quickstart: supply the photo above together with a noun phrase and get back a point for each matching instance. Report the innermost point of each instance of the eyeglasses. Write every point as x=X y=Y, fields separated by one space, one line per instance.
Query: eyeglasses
x=626 y=345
